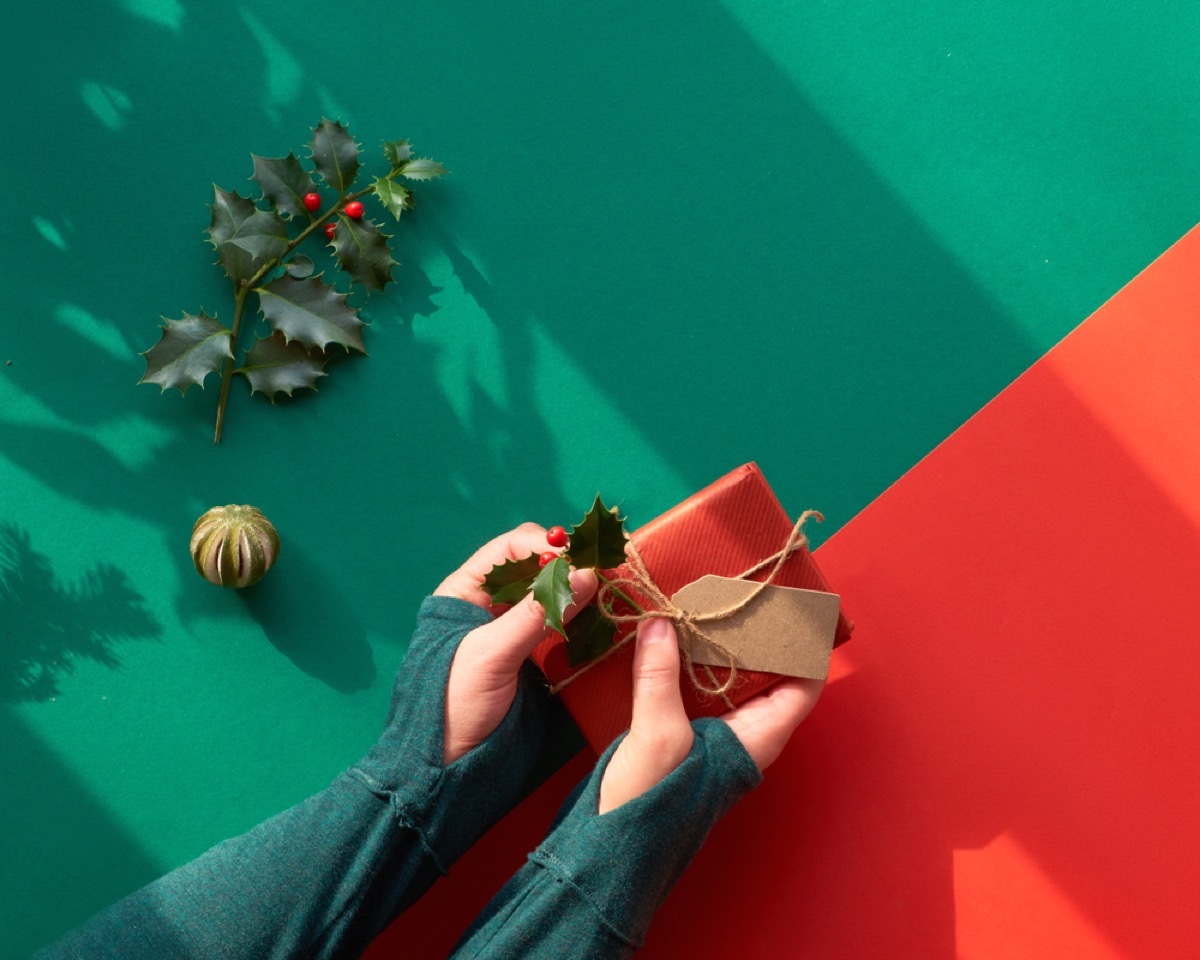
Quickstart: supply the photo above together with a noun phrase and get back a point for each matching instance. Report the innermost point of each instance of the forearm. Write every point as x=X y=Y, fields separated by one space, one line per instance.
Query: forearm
x=322 y=879
x=591 y=889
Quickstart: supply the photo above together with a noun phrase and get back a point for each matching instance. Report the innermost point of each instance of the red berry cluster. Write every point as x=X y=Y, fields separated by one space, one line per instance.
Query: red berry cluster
x=556 y=537
x=354 y=210
x=312 y=203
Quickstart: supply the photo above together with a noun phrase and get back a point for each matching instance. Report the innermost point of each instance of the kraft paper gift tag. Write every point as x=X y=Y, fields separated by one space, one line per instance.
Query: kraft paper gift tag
x=783 y=630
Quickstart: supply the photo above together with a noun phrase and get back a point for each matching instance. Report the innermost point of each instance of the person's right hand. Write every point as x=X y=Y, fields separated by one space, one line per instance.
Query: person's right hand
x=483 y=674
x=660 y=735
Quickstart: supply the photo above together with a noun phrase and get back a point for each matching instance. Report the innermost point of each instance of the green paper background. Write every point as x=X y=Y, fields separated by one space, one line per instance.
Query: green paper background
x=676 y=237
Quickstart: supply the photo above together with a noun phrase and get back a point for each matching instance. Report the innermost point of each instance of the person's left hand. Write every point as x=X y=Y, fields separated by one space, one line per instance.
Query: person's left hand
x=483 y=675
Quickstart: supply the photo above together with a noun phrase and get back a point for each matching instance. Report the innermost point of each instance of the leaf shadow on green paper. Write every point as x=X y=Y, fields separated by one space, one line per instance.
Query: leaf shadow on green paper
x=299 y=610
x=470 y=465
x=719 y=259
x=46 y=627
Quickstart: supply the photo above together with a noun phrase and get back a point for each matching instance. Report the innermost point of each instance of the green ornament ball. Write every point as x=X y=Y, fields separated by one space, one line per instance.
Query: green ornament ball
x=234 y=546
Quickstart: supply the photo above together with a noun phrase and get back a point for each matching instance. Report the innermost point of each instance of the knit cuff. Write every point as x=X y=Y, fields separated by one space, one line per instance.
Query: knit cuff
x=451 y=807
x=624 y=862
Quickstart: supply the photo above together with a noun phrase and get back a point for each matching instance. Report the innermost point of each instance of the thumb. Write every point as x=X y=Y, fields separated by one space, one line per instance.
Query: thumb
x=657 y=701
x=511 y=637
x=660 y=735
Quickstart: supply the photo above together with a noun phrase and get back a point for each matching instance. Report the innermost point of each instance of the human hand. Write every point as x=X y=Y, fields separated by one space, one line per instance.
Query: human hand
x=483 y=675
x=660 y=734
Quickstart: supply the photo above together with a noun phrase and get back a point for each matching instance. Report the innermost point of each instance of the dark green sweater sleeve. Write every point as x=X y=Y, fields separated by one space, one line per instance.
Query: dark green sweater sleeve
x=323 y=879
x=451 y=807
x=591 y=889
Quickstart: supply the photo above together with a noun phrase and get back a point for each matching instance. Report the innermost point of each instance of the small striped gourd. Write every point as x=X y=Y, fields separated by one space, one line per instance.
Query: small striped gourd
x=233 y=546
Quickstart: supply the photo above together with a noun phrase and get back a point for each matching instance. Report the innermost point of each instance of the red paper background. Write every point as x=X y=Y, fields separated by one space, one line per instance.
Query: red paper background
x=1005 y=762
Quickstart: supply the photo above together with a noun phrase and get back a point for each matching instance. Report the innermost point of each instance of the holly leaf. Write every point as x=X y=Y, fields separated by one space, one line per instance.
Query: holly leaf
x=283 y=182
x=398 y=152
x=508 y=582
x=422 y=168
x=229 y=211
x=274 y=365
x=552 y=589
x=311 y=312
x=300 y=267
x=598 y=540
x=245 y=237
x=335 y=154
x=362 y=251
x=393 y=196
x=261 y=247
x=188 y=351
x=589 y=634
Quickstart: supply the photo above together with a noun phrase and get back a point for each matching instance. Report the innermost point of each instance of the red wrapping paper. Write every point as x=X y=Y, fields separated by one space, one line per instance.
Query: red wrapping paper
x=725 y=529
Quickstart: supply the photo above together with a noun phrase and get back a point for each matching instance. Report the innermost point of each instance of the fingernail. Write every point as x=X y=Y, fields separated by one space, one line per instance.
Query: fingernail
x=652 y=631
x=582 y=581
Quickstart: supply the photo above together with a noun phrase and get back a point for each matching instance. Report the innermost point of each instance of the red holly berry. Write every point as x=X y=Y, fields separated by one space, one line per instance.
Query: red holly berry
x=330 y=230
x=546 y=557
x=312 y=202
x=557 y=537
x=354 y=210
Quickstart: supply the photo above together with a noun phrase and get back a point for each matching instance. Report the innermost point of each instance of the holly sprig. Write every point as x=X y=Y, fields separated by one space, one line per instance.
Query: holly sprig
x=257 y=243
x=596 y=542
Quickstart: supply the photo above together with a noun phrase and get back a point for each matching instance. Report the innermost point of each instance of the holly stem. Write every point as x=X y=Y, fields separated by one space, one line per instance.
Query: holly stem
x=304 y=234
x=239 y=303
x=620 y=593
x=244 y=288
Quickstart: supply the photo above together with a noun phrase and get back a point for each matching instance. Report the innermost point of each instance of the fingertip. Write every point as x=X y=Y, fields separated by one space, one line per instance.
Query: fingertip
x=530 y=614
x=466 y=582
x=654 y=631
x=584 y=583
x=656 y=691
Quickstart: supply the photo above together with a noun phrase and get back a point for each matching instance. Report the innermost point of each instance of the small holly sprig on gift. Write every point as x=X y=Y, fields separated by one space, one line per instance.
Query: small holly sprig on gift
x=596 y=542
x=256 y=248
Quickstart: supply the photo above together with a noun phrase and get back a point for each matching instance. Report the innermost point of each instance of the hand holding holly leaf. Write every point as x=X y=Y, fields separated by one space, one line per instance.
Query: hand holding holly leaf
x=597 y=541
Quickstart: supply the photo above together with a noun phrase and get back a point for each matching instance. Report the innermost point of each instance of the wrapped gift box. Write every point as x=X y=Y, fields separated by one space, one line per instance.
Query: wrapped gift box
x=725 y=529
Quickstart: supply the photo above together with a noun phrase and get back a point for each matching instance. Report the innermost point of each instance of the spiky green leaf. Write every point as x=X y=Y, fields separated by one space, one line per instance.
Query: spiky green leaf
x=589 y=634
x=393 y=196
x=362 y=251
x=335 y=154
x=274 y=366
x=284 y=182
x=508 y=582
x=423 y=168
x=229 y=211
x=398 y=152
x=598 y=540
x=245 y=237
x=552 y=589
x=300 y=267
x=311 y=312
x=261 y=247
x=188 y=351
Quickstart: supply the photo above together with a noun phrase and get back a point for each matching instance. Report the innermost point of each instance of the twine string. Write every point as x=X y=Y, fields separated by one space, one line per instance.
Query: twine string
x=688 y=625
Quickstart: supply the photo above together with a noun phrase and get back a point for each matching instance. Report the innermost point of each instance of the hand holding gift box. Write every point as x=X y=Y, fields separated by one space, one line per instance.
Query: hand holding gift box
x=700 y=564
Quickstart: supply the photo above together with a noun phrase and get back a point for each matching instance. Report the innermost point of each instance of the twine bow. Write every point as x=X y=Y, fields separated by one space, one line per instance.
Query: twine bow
x=689 y=625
